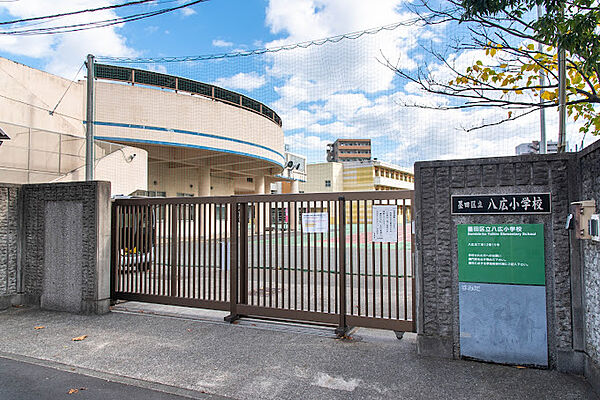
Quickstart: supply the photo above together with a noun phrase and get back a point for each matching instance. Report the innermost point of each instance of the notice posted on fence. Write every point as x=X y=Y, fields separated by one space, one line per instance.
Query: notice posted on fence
x=315 y=222
x=385 y=223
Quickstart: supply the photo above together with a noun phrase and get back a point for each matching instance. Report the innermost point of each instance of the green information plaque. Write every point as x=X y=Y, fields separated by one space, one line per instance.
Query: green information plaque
x=509 y=254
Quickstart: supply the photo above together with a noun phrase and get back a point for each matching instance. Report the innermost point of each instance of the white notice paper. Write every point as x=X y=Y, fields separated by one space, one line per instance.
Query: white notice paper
x=315 y=222
x=385 y=223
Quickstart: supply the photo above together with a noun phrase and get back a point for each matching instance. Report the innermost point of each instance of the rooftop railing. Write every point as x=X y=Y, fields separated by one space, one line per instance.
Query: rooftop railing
x=150 y=78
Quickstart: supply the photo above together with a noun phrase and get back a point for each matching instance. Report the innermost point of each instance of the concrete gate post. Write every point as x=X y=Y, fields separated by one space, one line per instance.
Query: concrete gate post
x=66 y=246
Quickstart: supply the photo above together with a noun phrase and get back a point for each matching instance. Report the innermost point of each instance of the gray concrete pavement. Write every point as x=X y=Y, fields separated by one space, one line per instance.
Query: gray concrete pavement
x=196 y=351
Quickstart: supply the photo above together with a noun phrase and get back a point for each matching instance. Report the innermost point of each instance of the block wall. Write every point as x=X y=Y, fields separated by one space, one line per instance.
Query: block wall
x=436 y=249
x=9 y=243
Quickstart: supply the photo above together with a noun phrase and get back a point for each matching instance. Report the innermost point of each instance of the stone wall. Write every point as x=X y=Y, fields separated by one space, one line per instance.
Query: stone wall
x=63 y=244
x=589 y=162
x=9 y=244
x=572 y=265
x=436 y=247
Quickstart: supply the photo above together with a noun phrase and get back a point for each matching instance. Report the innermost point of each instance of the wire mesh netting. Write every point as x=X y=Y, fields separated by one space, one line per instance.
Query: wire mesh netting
x=347 y=87
x=37 y=156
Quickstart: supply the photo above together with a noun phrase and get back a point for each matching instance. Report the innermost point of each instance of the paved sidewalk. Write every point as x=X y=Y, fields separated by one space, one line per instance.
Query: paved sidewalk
x=195 y=351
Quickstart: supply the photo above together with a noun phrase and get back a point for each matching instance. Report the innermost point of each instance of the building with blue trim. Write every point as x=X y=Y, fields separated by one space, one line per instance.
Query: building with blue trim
x=155 y=134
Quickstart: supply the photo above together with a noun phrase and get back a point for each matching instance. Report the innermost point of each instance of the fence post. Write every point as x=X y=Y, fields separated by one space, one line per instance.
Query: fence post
x=413 y=267
x=115 y=252
x=233 y=262
x=342 y=328
x=173 y=253
x=243 y=253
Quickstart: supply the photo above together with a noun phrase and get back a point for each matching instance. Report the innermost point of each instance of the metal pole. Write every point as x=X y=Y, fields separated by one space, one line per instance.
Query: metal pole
x=342 y=328
x=562 y=100
x=89 y=125
x=543 y=148
x=234 y=219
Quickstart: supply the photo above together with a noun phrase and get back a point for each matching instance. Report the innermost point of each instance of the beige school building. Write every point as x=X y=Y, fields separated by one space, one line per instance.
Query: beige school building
x=155 y=134
x=357 y=176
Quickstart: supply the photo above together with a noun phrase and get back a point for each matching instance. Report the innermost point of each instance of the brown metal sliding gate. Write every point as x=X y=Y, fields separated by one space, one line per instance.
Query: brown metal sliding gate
x=253 y=256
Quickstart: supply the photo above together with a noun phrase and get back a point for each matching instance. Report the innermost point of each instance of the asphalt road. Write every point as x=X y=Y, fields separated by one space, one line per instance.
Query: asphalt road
x=21 y=380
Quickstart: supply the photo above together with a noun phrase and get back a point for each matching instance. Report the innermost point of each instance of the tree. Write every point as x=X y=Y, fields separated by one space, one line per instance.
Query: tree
x=518 y=70
x=569 y=24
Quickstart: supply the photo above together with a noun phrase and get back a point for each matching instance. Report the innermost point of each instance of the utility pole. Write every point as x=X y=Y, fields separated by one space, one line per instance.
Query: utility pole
x=89 y=121
x=543 y=149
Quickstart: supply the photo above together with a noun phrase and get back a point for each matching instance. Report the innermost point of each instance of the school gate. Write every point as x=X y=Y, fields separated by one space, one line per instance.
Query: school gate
x=341 y=259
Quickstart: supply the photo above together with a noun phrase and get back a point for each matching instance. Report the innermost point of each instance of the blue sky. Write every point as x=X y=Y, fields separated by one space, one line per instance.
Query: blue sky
x=191 y=31
x=233 y=21
x=321 y=93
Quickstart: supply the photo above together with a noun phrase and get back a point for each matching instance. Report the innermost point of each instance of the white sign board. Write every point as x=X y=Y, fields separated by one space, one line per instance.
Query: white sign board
x=385 y=223
x=315 y=222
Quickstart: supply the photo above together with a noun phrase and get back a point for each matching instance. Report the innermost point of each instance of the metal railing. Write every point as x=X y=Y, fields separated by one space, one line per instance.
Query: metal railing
x=252 y=256
x=164 y=81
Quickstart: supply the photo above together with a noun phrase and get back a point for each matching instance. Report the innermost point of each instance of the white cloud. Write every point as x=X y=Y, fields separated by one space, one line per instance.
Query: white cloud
x=346 y=105
x=342 y=90
x=221 y=43
x=336 y=129
x=151 y=29
x=334 y=90
x=64 y=53
x=311 y=19
x=347 y=63
x=312 y=146
x=186 y=12
x=157 y=68
x=438 y=134
x=243 y=81
x=294 y=119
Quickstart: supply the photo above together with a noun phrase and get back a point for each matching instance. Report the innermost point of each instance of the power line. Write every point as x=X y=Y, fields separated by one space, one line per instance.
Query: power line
x=40 y=107
x=68 y=87
x=89 y=10
x=318 y=42
x=96 y=24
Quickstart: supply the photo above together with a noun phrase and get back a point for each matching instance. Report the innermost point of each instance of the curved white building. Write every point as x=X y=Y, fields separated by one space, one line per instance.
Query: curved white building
x=156 y=134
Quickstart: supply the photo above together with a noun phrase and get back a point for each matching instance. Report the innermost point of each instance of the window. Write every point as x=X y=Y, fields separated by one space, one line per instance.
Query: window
x=327 y=183
x=184 y=194
x=249 y=179
x=149 y=193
